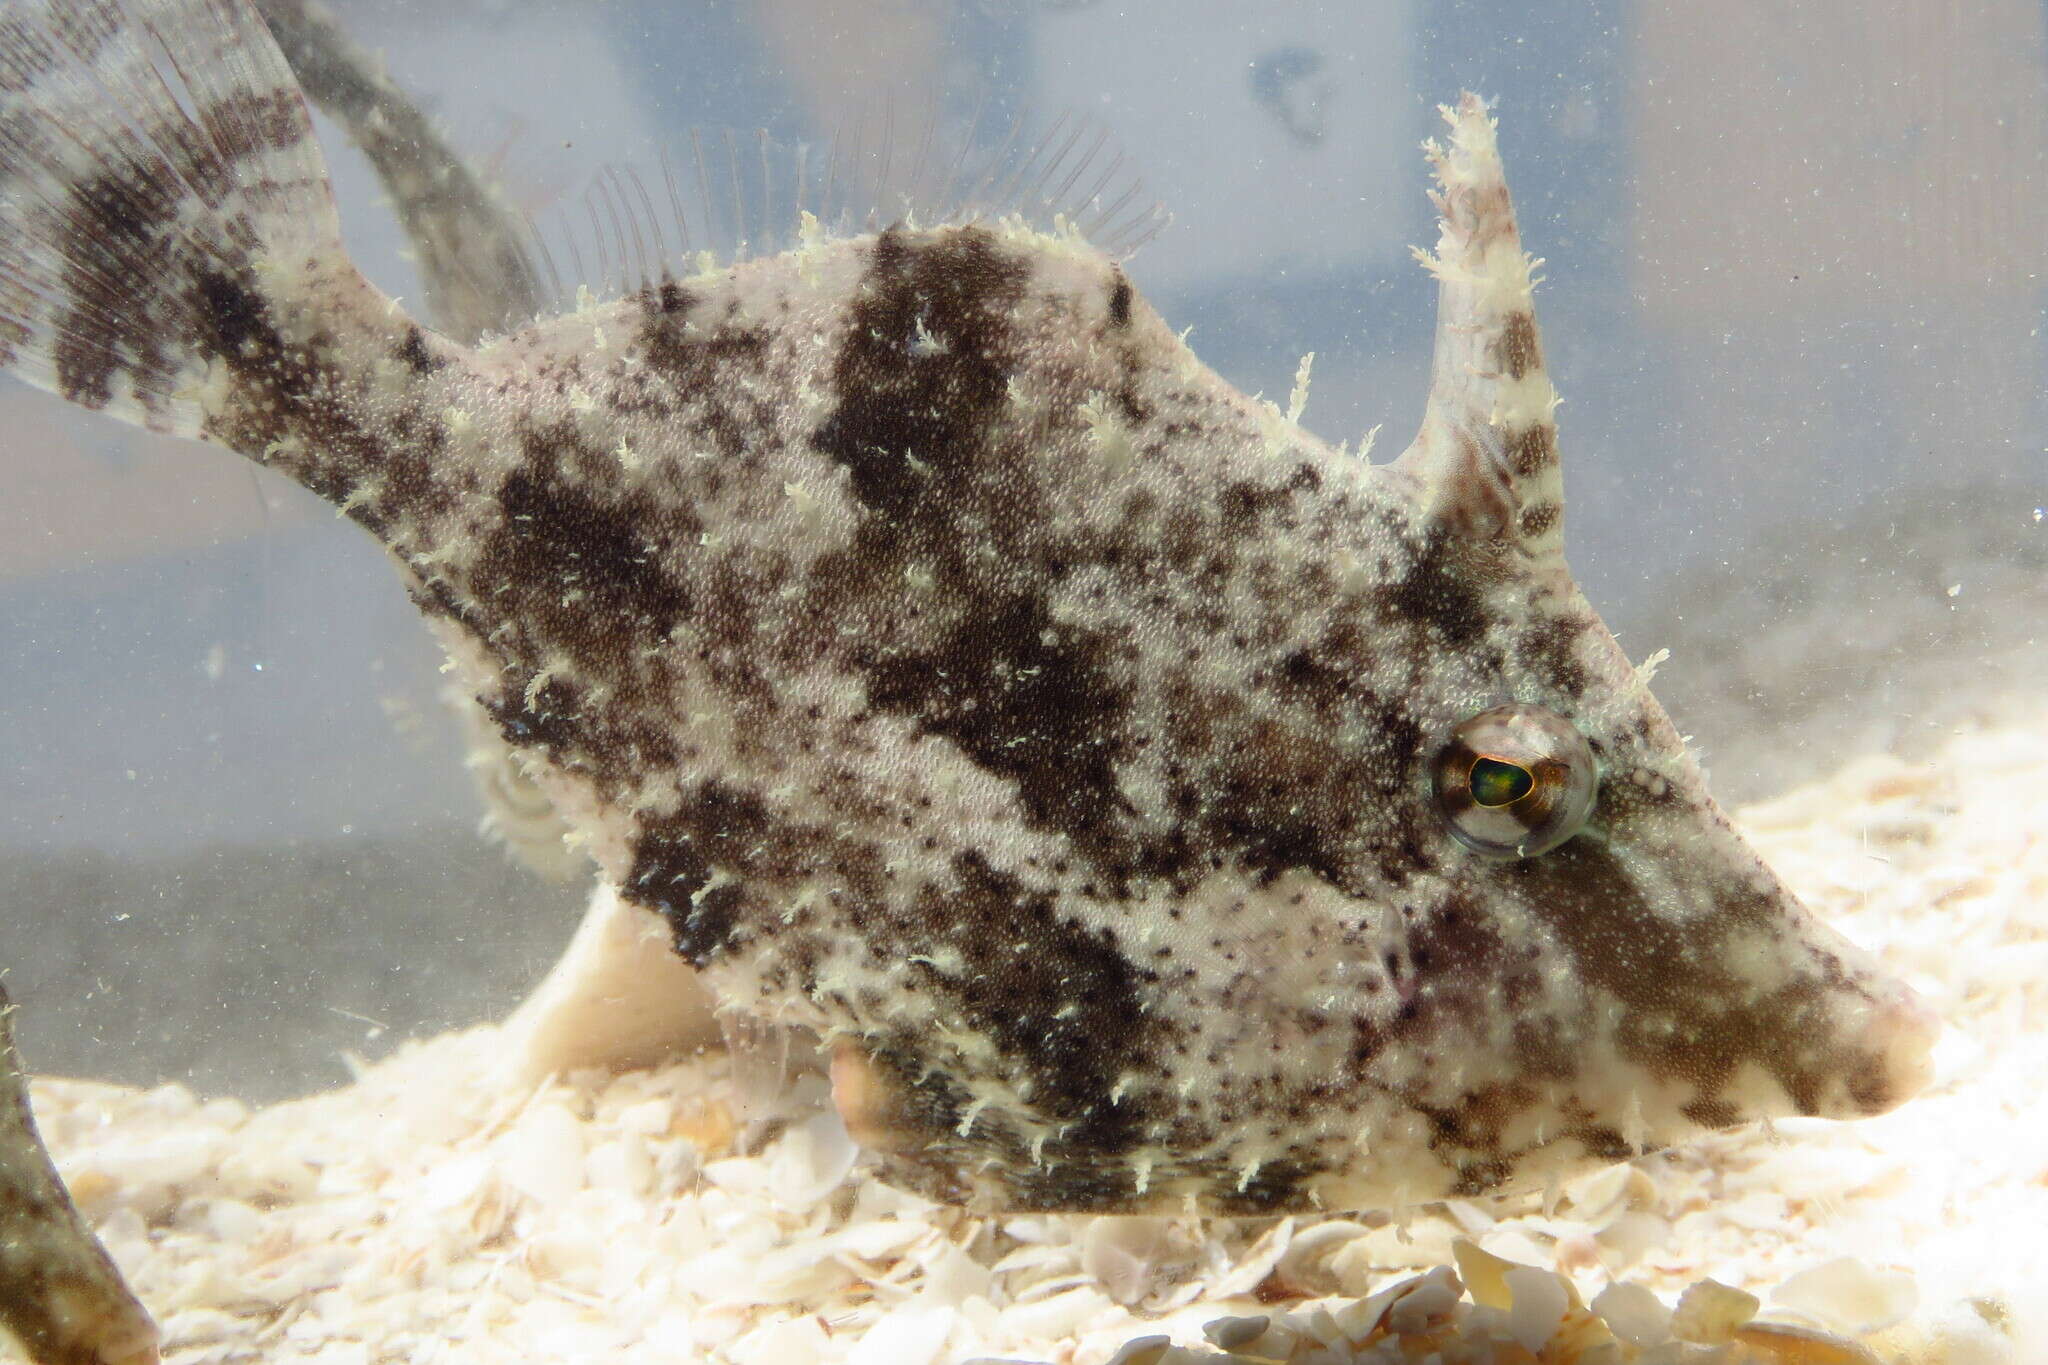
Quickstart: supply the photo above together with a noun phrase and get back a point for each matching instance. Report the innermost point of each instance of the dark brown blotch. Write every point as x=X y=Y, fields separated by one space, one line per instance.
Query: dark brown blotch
x=97 y=334
x=899 y=401
x=1034 y=700
x=715 y=865
x=249 y=121
x=685 y=868
x=1540 y=520
x=1279 y=1186
x=1663 y=971
x=1243 y=505
x=671 y=298
x=1549 y=648
x=557 y=537
x=1712 y=1113
x=548 y=718
x=1532 y=450
x=1120 y=302
x=1436 y=595
x=414 y=355
x=1061 y=1001
x=1520 y=350
x=699 y=361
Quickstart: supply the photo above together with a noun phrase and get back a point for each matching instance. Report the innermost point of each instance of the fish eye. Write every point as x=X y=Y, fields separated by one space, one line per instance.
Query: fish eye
x=1515 y=781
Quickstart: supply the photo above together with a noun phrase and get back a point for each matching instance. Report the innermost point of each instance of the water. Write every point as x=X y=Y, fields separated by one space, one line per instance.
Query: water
x=1792 y=303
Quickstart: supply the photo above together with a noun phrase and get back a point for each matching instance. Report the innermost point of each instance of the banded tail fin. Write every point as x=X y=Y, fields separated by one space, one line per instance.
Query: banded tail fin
x=149 y=151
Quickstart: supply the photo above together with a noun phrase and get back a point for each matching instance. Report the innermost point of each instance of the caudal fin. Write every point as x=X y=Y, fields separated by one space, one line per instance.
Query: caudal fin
x=156 y=161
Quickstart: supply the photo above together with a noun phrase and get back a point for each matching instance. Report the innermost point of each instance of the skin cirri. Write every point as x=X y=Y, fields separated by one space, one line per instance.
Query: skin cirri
x=1149 y=805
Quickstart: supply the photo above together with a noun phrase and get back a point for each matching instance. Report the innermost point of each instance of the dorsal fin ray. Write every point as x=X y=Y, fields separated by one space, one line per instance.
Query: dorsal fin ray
x=735 y=195
x=1487 y=450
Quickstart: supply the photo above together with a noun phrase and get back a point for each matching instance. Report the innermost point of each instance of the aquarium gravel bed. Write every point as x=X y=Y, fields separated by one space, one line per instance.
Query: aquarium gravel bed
x=428 y=1213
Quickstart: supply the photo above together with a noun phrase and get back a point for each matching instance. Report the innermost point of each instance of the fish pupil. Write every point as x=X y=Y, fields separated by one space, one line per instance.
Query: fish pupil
x=1496 y=782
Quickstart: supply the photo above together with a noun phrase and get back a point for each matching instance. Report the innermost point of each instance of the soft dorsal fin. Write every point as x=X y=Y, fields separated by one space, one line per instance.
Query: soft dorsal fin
x=720 y=196
x=1487 y=450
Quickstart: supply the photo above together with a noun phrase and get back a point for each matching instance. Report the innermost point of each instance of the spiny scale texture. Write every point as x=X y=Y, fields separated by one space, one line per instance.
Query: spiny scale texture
x=974 y=678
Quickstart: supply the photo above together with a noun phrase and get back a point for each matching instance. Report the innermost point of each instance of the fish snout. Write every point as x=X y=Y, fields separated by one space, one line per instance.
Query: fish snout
x=1896 y=1047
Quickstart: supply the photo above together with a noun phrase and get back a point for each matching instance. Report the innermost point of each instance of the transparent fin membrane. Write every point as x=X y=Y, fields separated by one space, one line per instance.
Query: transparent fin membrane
x=719 y=196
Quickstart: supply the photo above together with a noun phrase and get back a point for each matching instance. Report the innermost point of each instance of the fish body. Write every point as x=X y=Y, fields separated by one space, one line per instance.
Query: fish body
x=1149 y=805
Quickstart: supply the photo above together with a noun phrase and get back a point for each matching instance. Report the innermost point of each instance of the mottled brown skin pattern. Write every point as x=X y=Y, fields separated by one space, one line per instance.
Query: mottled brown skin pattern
x=1281 y=741
x=972 y=677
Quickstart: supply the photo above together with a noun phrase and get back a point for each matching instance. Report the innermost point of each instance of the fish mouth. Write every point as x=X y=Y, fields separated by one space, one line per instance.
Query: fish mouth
x=1898 y=1044
x=1867 y=1041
